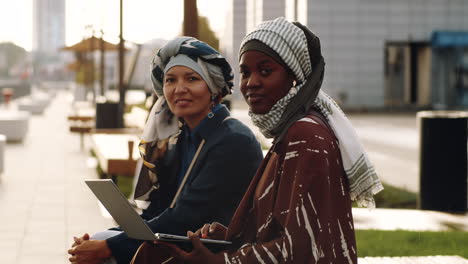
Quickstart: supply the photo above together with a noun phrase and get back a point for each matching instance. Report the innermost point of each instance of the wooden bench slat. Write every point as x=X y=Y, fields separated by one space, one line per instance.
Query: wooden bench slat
x=112 y=153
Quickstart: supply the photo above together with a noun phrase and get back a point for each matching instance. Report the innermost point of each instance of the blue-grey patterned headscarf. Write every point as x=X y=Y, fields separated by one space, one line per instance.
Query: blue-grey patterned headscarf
x=162 y=125
x=216 y=65
x=215 y=70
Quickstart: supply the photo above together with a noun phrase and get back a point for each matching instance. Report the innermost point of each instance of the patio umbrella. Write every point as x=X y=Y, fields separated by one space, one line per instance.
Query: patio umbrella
x=91 y=44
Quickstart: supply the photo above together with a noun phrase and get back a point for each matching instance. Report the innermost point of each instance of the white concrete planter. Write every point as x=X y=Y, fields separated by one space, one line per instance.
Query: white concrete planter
x=35 y=107
x=2 y=152
x=14 y=124
x=42 y=98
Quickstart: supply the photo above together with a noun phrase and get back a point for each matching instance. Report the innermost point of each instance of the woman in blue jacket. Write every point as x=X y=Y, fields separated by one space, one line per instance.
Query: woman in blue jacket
x=198 y=161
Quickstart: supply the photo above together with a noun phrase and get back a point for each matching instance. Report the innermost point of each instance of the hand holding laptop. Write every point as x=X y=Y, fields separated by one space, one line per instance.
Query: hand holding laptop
x=175 y=238
x=198 y=254
x=214 y=230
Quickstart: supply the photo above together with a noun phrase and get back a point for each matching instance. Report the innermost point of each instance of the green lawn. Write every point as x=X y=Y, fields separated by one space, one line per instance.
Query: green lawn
x=393 y=197
x=124 y=183
x=373 y=243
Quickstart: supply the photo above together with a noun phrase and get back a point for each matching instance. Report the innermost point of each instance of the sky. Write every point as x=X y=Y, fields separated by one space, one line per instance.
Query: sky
x=143 y=19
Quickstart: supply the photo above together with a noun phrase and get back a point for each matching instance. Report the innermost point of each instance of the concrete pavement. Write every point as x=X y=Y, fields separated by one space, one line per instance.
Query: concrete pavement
x=43 y=199
x=392 y=142
x=411 y=220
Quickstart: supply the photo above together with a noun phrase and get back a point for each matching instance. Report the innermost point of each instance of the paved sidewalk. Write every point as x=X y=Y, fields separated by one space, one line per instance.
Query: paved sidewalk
x=412 y=220
x=43 y=198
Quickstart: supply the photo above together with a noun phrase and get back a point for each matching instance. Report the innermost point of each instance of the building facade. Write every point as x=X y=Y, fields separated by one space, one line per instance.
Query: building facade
x=244 y=16
x=235 y=30
x=48 y=26
x=381 y=54
x=262 y=10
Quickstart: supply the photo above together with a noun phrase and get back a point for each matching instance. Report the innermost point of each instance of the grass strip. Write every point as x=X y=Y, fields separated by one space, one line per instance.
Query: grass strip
x=394 y=197
x=377 y=243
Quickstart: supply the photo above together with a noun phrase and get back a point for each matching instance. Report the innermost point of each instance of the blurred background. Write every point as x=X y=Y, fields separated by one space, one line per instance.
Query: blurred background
x=381 y=55
x=76 y=90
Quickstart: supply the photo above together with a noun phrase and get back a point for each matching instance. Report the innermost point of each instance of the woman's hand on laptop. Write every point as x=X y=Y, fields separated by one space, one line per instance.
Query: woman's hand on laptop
x=214 y=230
x=199 y=254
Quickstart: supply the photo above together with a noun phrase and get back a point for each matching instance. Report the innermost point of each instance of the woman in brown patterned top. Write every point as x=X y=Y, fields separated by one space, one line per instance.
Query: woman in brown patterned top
x=297 y=208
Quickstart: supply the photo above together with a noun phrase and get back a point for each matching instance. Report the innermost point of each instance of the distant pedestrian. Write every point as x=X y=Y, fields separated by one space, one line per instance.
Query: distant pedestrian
x=298 y=206
x=198 y=161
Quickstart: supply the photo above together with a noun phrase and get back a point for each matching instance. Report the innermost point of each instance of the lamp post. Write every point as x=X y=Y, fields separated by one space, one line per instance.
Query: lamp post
x=90 y=73
x=122 y=87
x=102 y=65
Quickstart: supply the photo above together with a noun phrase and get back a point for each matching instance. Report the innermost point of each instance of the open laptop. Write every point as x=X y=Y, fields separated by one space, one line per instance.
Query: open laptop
x=128 y=219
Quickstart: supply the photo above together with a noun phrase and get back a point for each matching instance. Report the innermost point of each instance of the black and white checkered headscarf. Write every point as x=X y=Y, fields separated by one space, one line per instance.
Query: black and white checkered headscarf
x=290 y=43
x=295 y=43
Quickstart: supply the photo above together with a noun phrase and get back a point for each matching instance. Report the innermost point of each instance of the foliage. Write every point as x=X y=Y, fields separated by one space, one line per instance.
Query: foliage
x=206 y=34
x=10 y=54
x=375 y=243
x=125 y=185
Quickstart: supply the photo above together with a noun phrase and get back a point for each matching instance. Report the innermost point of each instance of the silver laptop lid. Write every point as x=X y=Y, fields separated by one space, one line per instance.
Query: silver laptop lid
x=121 y=210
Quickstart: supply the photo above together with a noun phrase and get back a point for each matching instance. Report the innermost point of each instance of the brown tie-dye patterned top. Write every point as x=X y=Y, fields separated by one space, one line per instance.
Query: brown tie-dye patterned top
x=297 y=208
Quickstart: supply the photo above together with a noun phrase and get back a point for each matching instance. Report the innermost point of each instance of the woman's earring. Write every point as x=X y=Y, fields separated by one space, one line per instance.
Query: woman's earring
x=293 y=89
x=211 y=114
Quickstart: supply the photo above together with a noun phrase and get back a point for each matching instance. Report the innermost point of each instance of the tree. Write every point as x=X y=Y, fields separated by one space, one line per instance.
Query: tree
x=206 y=34
x=10 y=54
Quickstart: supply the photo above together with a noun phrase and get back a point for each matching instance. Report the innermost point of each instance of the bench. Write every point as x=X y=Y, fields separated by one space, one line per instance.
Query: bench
x=81 y=121
x=126 y=130
x=117 y=154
